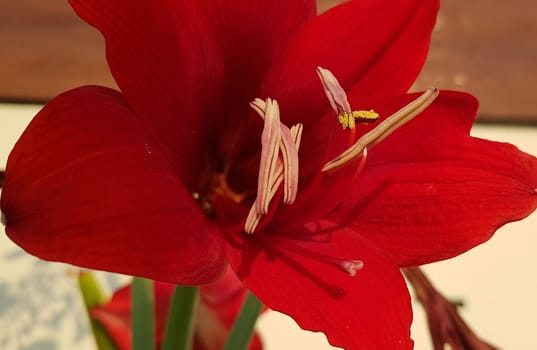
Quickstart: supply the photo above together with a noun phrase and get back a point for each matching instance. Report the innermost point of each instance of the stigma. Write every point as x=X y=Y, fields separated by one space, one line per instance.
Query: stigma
x=279 y=161
x=348 y=118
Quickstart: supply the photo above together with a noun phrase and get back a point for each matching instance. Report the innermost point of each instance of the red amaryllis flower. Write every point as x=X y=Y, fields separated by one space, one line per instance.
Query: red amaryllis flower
x=169 y=180
x=219 y=305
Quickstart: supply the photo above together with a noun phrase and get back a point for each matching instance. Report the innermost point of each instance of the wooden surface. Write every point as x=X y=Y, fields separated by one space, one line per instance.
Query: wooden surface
x=490 y=49
x=487 y=48
x=46 y=49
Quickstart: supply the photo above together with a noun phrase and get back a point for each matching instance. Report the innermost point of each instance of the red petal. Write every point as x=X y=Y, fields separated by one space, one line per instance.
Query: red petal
x=166 y=64
x=220 y=304
x=430 y=192
x=87 y=185
x=191 y=67
x=115 y=317
x=369 y=311
x=375 y=48
x=250 y=34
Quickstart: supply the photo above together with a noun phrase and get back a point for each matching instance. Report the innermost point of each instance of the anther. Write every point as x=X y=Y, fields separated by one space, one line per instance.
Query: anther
x=384 y=129
x=274 y=167
x=351 y=266
x=338 y=100
x=270 y=140
x=348 y=120
x=334 y=92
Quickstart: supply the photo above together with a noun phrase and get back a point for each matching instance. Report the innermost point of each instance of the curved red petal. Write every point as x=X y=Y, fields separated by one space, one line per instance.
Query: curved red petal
x=191 y=67
x=164 y=59
x=213 y=320
x=369 y=311
x=221 y=302
x=376 y=48
x=250 y=33
x=430 y=191
x=115 y=318
x=87 y=185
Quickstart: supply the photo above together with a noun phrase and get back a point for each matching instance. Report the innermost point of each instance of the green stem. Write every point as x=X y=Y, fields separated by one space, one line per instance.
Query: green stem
x=143 y=314
x=243 y=329
x=180 y=325
x=93 y=295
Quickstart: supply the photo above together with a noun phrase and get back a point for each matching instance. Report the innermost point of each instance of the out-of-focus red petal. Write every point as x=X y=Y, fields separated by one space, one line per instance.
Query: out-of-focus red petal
x=86 y=184
x=430 y=191
x=219 y=305
x=221 y=302
x=369 y=311
x=164 y=59
x=375 y=48
x=115 y=317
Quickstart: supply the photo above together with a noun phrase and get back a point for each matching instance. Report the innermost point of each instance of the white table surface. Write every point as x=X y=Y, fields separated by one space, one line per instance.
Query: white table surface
x=41 y=310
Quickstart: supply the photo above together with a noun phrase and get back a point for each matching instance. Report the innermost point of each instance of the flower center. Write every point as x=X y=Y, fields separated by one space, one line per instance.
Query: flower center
x=279 y=145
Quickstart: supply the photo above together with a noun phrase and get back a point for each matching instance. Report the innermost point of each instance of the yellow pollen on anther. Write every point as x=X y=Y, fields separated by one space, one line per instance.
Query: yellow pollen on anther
x=365 y=116
x=337 y=97
x=384 y=129
x=348 y=120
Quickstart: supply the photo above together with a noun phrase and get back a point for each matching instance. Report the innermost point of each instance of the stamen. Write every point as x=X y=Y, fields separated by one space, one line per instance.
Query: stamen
x=290 y=166
x=348 y=120
x=352 y=266
x=273 y=169
x=334 y=92
x=296 y=133
x=339 y=102
x=259 y=106
x=221 y=187
x=252 y=220
x=361 y=166
x=349 y=266
x=384 y=129
x=270 y=141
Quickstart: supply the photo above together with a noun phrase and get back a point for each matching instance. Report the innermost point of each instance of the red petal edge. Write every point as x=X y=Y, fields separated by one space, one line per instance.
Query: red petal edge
x=430 y=191
x=375 y=48
x=369 y=311
x=86 y=185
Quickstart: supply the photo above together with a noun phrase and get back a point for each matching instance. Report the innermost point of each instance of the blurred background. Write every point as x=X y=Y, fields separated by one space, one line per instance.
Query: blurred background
x=487 y=49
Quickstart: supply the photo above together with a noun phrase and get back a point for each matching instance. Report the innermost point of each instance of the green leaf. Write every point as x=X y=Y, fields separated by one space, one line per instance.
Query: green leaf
x=93 y=295
x=143 y=314
x=180 y=325
x=243 y=328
